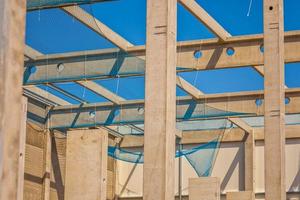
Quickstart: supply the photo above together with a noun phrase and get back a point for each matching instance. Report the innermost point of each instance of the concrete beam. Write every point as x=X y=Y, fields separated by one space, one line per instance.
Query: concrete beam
x=100 y=90
x=205 y=136
x=241 y=124
x=274 y=100
x=260 y=69
x=112 y=62
x=47 y=95
x=12 y=29
x=31 y=53
x=205 y=18
x=97 y=26
x=132 y=111
x=160 y=100
x=188 y=88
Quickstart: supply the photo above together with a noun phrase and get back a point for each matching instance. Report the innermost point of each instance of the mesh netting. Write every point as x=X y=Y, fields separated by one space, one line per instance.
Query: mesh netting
x=37 y=4
x=201 y=157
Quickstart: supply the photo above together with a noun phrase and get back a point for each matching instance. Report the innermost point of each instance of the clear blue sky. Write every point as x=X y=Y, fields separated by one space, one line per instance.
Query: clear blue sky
x=53 y=31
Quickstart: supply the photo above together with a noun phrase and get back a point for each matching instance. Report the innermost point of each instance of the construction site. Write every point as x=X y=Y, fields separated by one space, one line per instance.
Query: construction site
x=149 y=100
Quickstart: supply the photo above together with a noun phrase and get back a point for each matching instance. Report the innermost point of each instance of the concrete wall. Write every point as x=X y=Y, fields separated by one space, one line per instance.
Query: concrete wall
x=229 y=167
x=34 y=171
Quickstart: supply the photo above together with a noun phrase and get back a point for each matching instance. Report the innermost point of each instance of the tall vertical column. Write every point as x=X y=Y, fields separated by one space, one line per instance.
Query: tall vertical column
x=274 y=100
x=160 y=100
x=250 y=162
x=12 y=28
x=47 y=165
x=22 y=150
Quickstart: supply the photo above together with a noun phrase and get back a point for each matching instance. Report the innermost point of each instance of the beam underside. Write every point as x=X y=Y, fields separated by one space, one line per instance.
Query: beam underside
x=216 y=106
x=205 y=136
x=274 y=100
x=110 y=63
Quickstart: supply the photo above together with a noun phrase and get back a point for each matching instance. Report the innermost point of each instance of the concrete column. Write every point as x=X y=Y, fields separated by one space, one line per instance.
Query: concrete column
x=274 y=100
x=245 y=195
x=250 y=162
x=160 y=100
x=207 y=188
x=22 y=150
x=12 y=28
x=47 y=165
x=86 y=165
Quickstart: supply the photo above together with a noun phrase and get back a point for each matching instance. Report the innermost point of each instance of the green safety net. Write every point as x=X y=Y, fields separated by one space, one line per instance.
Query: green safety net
x=39 y=4
x=201 y=157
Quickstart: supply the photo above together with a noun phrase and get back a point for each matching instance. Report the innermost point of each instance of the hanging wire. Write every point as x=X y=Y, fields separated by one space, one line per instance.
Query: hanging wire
x=249 y=8
x=85 y=80
x=95 y=117
x=195 y=79
x=197 y=71
x=39 y=12
x=92 y=13
x=118 y=83
x=117 y=93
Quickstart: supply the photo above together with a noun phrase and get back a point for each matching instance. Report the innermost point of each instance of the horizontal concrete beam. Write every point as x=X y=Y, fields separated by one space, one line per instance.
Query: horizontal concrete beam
x=204 y=136
x=241 y=124
x=101 y=64
x=132 y=111
x=36 y=112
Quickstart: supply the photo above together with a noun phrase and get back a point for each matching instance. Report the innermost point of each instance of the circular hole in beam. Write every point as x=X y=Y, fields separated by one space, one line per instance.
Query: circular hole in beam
x=230 y=51
x=92 y=114
x=60 y=67
x=262 y=48
x=258 y=102
x=197 y=54
x=141 y=111
x=287 y=100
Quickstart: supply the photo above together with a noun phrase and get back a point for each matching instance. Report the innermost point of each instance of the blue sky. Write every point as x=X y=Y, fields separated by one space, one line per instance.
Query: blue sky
x=53 y=31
